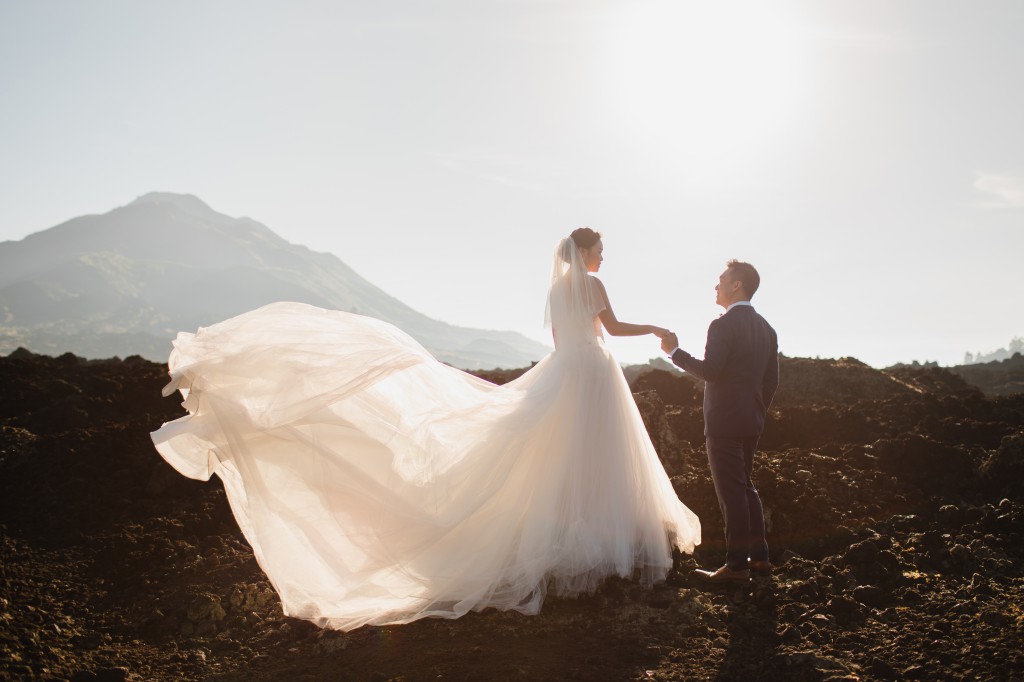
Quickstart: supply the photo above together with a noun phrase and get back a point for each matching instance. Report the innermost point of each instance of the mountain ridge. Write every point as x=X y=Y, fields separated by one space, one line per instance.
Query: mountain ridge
x=169 y=262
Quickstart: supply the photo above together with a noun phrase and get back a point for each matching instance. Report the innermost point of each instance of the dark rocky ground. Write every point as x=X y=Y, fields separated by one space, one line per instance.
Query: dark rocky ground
x=895 y=503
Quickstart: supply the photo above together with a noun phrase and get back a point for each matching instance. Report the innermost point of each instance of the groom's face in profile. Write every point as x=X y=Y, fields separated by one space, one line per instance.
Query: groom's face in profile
x=728 y=290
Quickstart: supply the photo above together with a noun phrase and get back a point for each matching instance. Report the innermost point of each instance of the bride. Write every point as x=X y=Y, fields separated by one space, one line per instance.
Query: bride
x=377 y=485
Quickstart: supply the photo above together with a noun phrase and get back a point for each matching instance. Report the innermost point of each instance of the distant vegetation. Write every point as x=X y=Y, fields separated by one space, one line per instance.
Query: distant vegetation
x=1016 y=346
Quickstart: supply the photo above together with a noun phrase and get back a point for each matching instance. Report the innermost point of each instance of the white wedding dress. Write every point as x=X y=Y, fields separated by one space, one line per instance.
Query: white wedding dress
x=377 y=485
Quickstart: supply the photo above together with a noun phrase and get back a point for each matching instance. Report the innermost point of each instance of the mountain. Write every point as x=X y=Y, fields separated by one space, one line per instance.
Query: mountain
x=125 y=282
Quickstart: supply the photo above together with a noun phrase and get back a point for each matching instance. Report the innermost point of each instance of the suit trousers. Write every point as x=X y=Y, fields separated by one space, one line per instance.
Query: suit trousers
x=732 y=460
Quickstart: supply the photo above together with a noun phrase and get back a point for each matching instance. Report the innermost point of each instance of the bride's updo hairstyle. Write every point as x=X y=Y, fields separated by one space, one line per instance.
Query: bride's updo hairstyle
x=583 y=238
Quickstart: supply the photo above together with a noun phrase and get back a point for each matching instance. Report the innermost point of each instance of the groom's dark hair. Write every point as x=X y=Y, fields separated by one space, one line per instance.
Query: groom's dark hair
x=746 y=274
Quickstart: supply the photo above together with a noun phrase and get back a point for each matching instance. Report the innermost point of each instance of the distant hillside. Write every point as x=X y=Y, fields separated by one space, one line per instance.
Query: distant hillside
x=1015 y=347
x=125 y=282
x=1000 y=377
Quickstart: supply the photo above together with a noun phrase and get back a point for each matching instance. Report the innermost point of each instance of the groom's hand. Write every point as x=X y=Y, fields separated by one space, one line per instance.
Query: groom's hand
x=669 y=342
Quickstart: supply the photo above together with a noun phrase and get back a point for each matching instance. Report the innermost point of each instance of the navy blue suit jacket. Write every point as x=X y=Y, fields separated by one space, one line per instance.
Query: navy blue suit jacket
x=741 y=373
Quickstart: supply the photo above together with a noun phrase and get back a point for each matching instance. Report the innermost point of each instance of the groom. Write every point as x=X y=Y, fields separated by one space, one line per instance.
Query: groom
x=741 y=373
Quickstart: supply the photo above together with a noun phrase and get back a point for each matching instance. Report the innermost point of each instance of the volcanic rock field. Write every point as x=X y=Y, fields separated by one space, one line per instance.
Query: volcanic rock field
x=894 y=500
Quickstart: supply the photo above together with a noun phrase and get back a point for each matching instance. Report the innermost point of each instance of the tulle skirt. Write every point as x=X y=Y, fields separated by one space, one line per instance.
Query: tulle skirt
x=377 y=485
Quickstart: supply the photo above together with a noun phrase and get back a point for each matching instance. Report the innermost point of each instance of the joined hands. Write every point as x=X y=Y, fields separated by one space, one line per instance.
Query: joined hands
x=669 y=342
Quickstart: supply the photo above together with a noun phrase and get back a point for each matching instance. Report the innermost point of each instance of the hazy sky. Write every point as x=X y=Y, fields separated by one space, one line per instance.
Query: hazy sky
x=867 y=157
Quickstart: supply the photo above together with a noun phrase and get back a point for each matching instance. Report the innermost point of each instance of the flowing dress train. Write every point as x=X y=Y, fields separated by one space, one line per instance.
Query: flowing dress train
x=377 y=485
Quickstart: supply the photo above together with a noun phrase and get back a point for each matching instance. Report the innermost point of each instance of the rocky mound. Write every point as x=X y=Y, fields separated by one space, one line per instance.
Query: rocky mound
x=895 y=504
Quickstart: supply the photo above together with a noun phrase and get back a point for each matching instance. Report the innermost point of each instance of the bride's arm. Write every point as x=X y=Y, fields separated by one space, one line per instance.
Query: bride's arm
x=617 y=328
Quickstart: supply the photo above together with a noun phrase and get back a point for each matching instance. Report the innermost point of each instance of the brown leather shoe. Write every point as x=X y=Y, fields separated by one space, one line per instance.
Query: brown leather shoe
x=760 y=567
x=723 y=575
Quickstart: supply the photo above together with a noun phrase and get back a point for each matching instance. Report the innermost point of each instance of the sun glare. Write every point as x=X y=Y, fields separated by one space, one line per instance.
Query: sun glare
x=709 y=84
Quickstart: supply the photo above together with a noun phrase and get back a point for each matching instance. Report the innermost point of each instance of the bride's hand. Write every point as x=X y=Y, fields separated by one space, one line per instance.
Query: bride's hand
x=660 y=332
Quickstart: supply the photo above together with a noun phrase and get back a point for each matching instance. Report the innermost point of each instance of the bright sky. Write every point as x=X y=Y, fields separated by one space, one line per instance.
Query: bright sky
x=867 y=157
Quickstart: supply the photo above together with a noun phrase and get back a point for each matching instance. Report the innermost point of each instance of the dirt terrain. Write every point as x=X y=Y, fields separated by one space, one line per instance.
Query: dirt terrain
x=895 y=504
